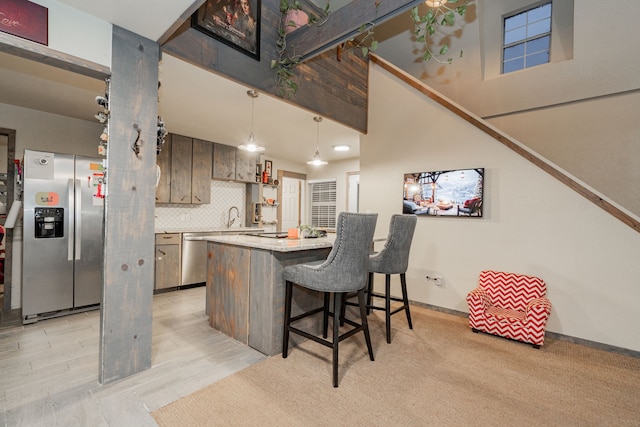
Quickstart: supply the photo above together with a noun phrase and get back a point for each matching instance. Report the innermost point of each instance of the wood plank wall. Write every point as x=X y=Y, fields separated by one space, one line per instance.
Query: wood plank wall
x=334 y=89
x=127 y=294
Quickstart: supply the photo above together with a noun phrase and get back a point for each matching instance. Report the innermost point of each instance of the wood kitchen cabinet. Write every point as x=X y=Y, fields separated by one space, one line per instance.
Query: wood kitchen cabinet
x=246 y=166
x=201 y=171
x=185 y=165
x=224 y=162
x=163 y=190
x=167 y=268
x=181 y=158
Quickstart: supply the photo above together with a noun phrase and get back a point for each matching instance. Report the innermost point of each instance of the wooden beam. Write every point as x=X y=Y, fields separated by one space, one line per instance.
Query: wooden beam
x=344 y=24
x=127 y=288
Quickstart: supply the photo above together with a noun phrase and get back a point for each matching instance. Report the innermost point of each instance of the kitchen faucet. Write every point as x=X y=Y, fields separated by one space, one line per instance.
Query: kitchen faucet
x=231 y=221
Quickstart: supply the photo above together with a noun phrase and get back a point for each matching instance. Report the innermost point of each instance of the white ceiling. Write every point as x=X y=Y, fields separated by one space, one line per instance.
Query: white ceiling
x=193 y=102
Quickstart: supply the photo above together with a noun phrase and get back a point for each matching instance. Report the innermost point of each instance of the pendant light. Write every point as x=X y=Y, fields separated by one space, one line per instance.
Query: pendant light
x=251 y=144
x=317 y=160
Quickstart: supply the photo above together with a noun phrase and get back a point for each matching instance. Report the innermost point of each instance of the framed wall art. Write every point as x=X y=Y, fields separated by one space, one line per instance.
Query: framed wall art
x=457 y=192
x=25 y=19
x=235 y=23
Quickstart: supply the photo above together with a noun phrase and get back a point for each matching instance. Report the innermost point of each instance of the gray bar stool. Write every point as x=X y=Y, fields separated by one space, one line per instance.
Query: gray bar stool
x=393 y=259
x=344 y=271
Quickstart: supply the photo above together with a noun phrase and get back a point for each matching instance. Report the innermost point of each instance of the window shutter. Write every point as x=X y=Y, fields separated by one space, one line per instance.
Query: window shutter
x=323 y=204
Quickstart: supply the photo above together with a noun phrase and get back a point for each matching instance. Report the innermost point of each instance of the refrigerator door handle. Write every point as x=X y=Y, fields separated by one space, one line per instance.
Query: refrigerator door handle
x=70 y=224
x=78 y=215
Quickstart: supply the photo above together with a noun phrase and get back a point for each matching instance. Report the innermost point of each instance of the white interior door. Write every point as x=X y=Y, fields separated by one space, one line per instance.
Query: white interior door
x=292 y=196
x=353 y=192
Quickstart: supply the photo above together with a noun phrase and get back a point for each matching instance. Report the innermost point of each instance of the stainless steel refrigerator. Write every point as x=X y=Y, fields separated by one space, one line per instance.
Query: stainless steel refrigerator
x=63 y=220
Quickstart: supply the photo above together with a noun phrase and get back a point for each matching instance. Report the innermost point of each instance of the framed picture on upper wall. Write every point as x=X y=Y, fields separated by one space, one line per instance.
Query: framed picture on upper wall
x=235 y=23
x=457 y=192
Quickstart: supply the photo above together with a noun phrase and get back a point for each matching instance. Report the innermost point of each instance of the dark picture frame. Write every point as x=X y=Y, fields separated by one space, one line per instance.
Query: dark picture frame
x=267 y=167
x=447 y=193
x=227 y=21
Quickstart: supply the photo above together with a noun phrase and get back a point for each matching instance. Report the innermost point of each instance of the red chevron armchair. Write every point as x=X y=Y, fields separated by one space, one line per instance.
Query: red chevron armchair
x=510 y=305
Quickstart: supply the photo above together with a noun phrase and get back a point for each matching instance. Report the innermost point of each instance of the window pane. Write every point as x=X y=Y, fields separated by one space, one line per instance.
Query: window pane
x=539 y=13
x=527 y=39
x=323 y=204
x=515 y=21
x=537 y=59
x=538 y=45
x=540 y=27
x=513 y=52
x=516 y=64
x=516 y=35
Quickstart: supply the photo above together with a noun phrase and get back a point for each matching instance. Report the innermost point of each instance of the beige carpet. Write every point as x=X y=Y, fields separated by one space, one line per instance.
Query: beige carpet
x=439 y=373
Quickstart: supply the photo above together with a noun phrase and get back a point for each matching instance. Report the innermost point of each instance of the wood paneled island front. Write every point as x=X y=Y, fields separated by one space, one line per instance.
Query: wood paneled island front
x=245 y=288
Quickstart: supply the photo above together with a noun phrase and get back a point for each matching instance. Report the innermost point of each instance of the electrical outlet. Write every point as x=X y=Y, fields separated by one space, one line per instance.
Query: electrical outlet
x=436 y=280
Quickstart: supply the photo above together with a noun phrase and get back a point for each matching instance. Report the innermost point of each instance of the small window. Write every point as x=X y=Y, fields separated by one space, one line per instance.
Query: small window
x=527 y=39
x=323 y=204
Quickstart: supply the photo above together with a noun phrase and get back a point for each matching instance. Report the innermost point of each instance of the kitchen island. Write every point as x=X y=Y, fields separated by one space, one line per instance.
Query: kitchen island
x=245 y=288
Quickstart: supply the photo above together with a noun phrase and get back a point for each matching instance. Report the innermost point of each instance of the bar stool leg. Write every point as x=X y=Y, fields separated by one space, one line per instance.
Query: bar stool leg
x=403 y=283
x=369 y=292
x=325 y=314
x=387 y=306
x=287 y=318
x=365 y=323
x=337 y=304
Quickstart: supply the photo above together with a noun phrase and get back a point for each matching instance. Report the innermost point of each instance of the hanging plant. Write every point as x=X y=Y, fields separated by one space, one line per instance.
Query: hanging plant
x=292 y=19
x=365 y=41
x=428 y=24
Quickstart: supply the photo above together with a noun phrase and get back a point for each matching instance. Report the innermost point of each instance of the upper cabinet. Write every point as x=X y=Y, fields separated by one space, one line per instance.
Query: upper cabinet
x=163 y=190
x=185 y=166
x=201 y=172
x=246 y=166
x=224 y=162
x=181 y=158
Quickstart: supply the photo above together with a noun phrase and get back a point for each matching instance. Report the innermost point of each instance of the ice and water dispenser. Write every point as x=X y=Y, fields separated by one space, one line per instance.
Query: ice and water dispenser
x=49 y=222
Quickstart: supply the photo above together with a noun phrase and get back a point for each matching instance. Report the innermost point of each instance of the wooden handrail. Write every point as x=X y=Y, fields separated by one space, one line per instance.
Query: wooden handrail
x=510 y=143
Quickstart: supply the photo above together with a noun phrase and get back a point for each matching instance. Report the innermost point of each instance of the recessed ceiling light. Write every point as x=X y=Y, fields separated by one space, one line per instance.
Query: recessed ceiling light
x=341 y=147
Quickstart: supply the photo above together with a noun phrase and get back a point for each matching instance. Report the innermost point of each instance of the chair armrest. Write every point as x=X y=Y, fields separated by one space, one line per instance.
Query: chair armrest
x=478 y=299
x=539 y=308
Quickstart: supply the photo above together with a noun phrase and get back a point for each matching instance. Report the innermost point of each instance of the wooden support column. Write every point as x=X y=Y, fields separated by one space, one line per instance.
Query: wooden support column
x=127 y=294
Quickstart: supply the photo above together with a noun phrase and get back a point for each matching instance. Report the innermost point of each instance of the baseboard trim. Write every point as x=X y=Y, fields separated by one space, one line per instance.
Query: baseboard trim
x=555 y=335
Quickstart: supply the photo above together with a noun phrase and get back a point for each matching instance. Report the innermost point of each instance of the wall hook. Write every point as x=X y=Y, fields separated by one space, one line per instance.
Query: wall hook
x=137 y=144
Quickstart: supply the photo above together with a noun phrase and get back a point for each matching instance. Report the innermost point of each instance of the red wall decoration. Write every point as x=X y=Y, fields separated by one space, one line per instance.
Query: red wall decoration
x=25 y=19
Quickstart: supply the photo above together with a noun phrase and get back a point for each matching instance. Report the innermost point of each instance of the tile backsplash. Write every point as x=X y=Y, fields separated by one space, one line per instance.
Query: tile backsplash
x=224 y=195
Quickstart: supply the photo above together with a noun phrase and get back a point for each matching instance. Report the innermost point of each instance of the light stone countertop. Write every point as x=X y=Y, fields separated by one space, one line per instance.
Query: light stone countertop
x=276 y=245
x=207 y=230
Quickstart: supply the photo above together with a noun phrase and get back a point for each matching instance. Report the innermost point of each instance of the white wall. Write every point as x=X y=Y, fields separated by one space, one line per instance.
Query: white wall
x=596 y=137
x=532 y=223
x=37 y=130
x=79 y=34
x=551 y=107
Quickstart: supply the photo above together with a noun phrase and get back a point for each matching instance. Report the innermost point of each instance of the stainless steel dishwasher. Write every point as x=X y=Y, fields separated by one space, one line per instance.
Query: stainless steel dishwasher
x=194 y=258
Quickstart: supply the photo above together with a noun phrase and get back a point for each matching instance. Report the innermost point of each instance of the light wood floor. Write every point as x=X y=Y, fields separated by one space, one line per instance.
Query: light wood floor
x=49 y=370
